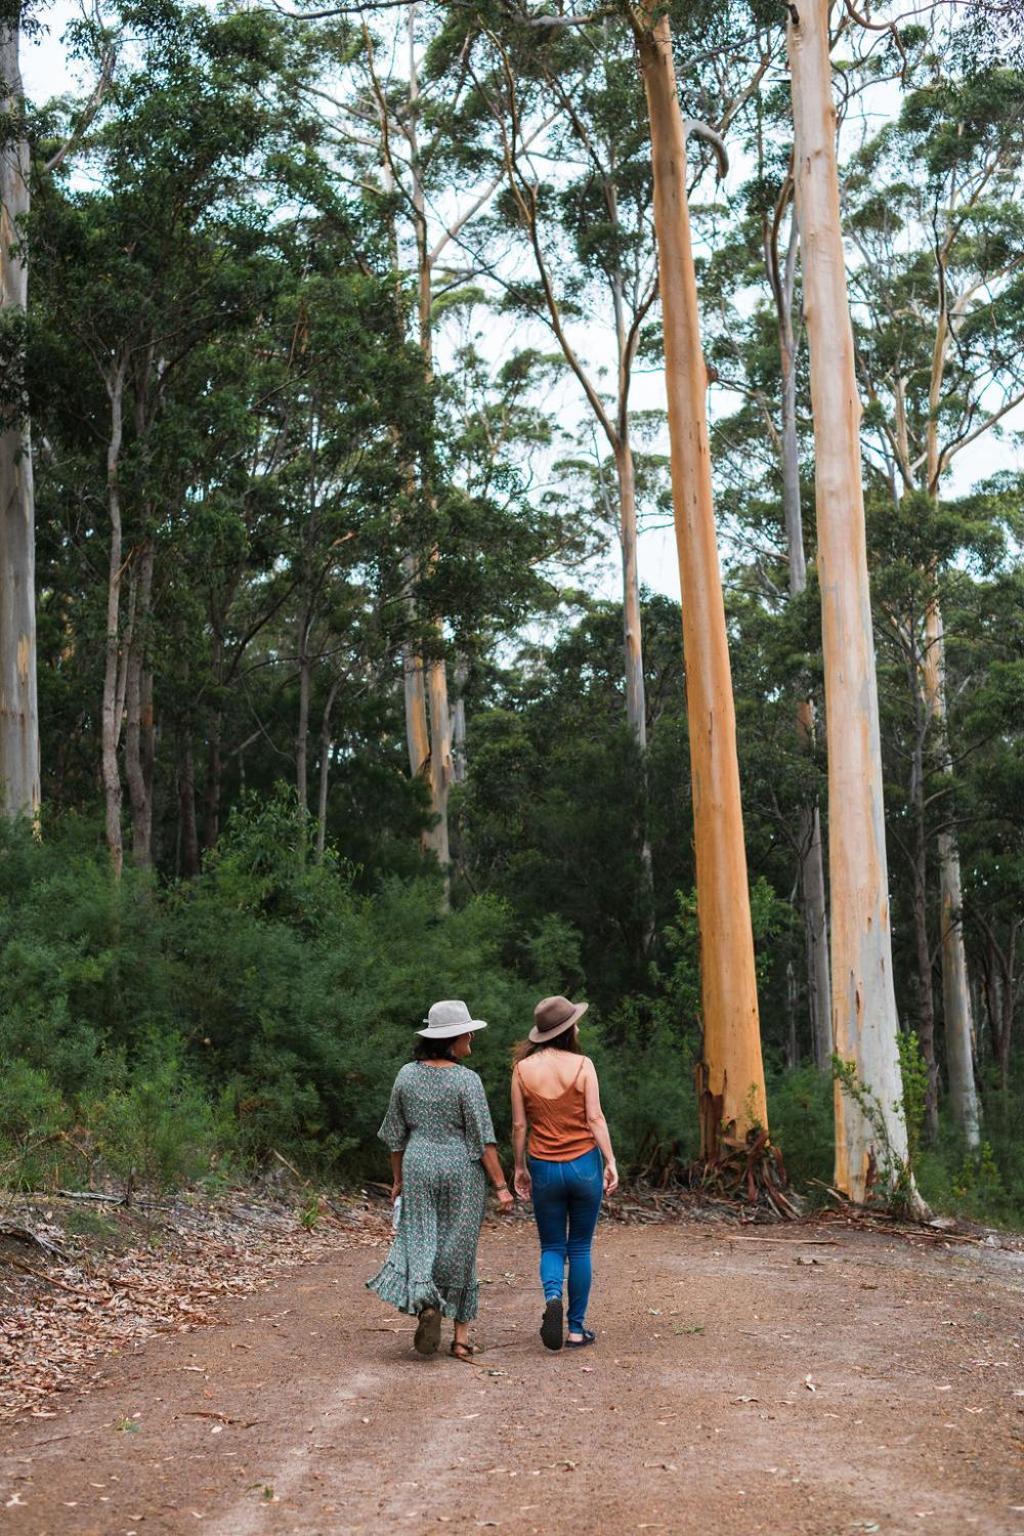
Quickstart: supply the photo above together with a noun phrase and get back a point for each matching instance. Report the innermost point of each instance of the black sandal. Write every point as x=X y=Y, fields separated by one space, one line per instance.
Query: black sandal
x=428 y=1331
x=460 y=1351
x=551 y=1325
x=588 y=1338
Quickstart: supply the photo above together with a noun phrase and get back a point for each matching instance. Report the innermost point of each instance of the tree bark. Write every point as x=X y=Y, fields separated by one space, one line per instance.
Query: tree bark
x=731 y=1073
x=19 y=709
x=139 y=715
x=458 y=724
x=632 y=634
x=326 y=747
x=956 y=992
x=113 y=701
x=302 y=728
x=925 y=991
x=636 y=709
x=440 y=769
x=863 y=994
x=811 y=869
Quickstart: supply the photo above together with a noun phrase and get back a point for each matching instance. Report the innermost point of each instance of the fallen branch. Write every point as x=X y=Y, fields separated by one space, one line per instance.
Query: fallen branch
x=24 y=1235
x=788 y=1242
x=38 y=1274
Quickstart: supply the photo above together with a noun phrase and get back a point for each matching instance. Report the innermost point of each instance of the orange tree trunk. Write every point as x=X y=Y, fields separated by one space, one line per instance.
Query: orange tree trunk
x=871 y=1134
x=731 y=1075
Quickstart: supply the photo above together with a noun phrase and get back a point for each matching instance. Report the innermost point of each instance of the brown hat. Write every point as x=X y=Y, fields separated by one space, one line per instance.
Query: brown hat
x=553 y=1016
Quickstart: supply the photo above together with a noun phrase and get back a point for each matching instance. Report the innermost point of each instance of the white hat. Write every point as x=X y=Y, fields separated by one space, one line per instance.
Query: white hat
x=448 y=1019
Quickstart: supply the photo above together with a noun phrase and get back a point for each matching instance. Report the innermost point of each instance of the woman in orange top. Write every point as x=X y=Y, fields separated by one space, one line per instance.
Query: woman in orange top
x=557 y=1103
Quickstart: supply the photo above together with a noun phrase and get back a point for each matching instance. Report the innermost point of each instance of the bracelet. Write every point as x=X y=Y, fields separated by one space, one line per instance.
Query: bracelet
x=499 y=1189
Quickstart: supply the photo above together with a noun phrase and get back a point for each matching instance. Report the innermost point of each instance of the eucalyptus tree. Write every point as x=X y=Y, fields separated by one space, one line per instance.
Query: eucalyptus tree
x=731 y=1092
x=172 y=225
x=583 y=224
x=755 y=345
x=19 y=706
x=871 y=1131
x=394 y=122
x=933 y=206
x=19 y=710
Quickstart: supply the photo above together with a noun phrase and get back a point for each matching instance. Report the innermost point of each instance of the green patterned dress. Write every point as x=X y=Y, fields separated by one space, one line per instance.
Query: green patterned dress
x=439 y=1120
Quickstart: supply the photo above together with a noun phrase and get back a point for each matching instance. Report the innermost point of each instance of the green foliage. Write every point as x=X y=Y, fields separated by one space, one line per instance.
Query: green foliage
x=800 y=1104
x=914 y=1074
x=159 y=1131
x=33 y=1122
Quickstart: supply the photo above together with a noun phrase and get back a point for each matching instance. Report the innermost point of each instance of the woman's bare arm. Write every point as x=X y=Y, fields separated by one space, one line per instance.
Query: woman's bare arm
x=494 y=1171
x=599 y=1126
x=519 y=1128
x=396 y=1175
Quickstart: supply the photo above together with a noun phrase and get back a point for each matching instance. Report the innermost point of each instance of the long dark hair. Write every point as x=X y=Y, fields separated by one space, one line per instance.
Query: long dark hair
x=435 y=1050
x=568 y=1040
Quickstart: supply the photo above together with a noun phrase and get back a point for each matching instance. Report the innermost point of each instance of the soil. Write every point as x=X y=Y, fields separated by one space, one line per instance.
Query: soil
x=819 y=1381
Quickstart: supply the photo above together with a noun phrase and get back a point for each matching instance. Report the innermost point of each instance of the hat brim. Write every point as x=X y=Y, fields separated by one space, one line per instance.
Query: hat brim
x=452 y=1031
x=541 y=1037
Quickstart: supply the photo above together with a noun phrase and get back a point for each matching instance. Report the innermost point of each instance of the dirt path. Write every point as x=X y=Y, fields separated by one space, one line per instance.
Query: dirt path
x=734 y=1389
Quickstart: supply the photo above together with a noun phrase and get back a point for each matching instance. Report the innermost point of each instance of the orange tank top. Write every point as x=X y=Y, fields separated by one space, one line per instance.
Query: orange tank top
x=558 y=1126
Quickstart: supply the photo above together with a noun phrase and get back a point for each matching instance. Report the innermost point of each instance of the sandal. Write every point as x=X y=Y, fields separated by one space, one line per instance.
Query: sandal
x=551 y=1325
x=460 y=1351
x=588 y=1338
x=428 y=1331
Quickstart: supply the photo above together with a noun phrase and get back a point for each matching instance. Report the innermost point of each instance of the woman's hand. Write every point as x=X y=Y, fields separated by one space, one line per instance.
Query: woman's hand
x=506 y=1200
x=396 y=1190
x=523 y=1183
x=611 y=1178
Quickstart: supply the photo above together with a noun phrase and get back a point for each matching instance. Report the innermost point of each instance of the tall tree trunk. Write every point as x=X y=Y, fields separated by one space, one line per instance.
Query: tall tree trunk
x=139 y=715
x=956 y=992
x=925 y=991
x=326 y=747
x=113 y=699
x=440 y=768
x=811 y=872
x=19 y=710
x=189 y=832
x=440 y=764
x=458 y=723
x=636 y=710
x=632 y=630
x=863 y=995
x=731 y=1073
x=302 y=728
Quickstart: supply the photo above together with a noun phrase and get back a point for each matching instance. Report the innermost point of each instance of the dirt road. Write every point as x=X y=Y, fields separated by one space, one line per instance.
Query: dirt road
x=737 y=1387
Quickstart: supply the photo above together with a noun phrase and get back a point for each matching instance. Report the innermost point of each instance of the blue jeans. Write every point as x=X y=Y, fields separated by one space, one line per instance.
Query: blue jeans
x=566 y=1204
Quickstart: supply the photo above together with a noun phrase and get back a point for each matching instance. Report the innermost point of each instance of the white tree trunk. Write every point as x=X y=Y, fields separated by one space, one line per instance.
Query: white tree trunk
x=731 y=1077
x=458 y=724
x=863 y=995
x=19 y=711
x=440 y=767
x=956 y=995
x=811 y=865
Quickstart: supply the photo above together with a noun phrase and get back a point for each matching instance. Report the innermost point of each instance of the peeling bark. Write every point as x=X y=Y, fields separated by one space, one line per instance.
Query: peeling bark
x=731 y=1075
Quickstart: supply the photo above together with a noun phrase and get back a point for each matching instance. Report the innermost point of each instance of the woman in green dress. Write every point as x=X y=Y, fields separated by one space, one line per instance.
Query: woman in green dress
x=439 y=1132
